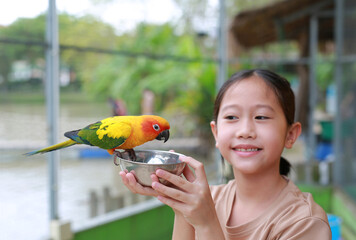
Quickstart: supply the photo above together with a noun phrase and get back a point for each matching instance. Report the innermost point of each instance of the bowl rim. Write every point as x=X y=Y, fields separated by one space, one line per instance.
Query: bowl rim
x=152 y=164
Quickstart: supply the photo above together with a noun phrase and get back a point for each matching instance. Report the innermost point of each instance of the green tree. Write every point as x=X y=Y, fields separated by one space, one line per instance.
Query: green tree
x=85 y=31
x=127 y=77
x=30 y=30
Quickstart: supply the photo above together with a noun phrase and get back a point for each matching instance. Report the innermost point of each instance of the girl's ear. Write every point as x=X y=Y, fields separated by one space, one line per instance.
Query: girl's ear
x=292 y=135
x=214 y=130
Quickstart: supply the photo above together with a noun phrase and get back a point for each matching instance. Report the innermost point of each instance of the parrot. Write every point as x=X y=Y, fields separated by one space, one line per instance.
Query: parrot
x=118 y=132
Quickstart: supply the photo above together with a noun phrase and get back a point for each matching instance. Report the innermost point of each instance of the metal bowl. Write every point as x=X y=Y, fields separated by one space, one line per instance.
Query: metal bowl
x=147 y=162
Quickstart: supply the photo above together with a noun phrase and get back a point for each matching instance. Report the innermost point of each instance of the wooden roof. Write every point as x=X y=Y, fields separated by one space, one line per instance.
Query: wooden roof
x=284 y=20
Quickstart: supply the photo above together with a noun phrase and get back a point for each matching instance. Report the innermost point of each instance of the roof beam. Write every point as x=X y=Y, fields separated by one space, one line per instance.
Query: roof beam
x=312 y=9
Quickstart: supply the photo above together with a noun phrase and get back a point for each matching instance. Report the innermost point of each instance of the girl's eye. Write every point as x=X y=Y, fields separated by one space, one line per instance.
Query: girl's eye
x=231 y=118
x=261 y=117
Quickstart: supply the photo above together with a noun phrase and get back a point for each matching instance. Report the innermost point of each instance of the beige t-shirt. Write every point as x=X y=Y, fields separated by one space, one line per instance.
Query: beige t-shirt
x=293 y=215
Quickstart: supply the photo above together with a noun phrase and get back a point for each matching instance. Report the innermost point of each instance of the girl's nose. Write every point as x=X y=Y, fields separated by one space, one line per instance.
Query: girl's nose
x=246 y=129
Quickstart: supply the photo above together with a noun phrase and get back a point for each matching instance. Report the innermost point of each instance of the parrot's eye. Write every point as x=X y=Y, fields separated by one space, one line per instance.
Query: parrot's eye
x=156 y=127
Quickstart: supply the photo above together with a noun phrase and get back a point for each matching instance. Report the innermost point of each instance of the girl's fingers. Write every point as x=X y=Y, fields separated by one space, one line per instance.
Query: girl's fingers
x=174 y=179
x=154 y=178
x=172 y=193
x=196 y=165
x=131 y=178
x=130 y=182
x=123 y=177
x=188 y=174
x=175 y=205
x=127 y=180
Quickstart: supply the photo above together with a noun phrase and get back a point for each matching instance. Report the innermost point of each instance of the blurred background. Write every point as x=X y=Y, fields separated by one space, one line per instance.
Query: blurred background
x=169 y=58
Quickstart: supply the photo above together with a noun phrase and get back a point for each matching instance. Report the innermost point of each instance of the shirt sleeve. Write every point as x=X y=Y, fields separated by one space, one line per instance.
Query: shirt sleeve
x=307 y=228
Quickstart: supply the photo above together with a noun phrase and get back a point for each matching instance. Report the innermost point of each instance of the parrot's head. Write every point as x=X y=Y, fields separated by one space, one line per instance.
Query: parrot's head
x=155 y=127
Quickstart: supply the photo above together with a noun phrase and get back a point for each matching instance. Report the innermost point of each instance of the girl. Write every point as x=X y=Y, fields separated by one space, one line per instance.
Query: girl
x=253 y=122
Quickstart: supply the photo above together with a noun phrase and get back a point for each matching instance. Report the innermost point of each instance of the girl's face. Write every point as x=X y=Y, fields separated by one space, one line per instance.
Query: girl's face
x=251 y=130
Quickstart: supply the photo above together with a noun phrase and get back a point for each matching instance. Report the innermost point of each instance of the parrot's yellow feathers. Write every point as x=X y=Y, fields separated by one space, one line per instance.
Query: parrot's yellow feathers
x=113 y=129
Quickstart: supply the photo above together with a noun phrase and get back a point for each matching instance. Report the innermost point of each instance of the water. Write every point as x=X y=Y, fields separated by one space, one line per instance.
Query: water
x=25 y=126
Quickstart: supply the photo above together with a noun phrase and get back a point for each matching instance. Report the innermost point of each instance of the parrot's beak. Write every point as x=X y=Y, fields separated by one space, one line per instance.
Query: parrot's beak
x=163 y=136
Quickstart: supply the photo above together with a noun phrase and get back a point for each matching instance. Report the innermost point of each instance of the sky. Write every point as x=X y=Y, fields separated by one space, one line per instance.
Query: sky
x=122 y=14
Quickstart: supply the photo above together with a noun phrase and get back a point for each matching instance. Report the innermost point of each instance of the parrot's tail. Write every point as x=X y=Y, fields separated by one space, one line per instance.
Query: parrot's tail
x=53 y=147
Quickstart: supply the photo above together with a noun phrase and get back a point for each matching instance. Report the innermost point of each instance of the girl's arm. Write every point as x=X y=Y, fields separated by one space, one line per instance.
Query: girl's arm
x=192 y=199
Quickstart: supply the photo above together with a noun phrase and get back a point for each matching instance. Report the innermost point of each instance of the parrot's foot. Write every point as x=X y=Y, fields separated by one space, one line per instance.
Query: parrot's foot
x=130 y=152
x=132 y=155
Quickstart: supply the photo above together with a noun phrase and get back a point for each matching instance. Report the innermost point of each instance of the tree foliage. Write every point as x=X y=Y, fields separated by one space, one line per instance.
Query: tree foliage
x=171 y=81
x=84 y=31
x=22 y=29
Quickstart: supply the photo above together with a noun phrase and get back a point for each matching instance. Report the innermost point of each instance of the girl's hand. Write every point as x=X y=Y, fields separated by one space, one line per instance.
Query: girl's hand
x=190 y=196
x=130 y=182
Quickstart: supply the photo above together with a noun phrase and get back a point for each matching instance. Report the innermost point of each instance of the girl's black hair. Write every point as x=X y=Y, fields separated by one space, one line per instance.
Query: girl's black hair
x=284 y=167
x=281 y=88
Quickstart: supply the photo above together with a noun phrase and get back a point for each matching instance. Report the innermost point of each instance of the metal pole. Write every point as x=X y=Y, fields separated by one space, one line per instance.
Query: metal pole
x=222 y=45
x=312 y=95
x=337 y=141
x=52 y=103
x=222 y=69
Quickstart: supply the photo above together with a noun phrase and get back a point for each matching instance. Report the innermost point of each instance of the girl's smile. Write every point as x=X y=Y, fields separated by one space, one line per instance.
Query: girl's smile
x=246 y=150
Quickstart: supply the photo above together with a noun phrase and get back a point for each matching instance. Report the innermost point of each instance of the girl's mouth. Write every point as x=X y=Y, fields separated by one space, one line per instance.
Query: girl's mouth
x=247 y=149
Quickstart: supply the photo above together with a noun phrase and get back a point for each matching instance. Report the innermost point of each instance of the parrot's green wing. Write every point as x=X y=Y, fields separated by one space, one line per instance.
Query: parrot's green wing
x=106 y=134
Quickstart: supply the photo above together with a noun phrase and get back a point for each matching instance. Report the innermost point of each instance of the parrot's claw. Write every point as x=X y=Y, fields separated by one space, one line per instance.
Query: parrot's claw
x=131 y=155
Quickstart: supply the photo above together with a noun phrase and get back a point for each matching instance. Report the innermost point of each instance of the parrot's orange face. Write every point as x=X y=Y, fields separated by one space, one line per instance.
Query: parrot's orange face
x=155 y=127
